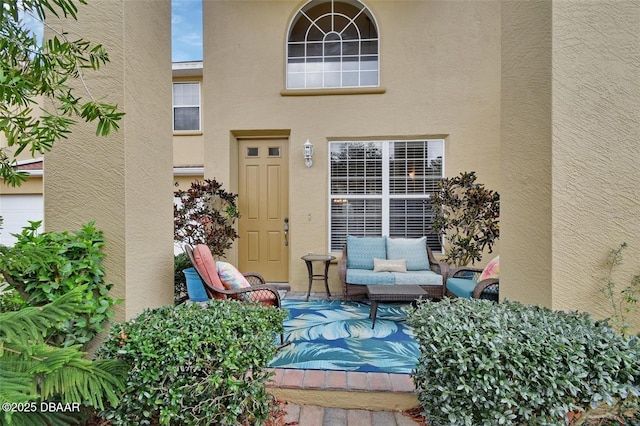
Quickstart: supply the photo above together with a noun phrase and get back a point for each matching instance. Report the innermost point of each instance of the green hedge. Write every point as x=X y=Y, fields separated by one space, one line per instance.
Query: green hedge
x=192 y=364
x=484 y=363
x=44 y=266
x=10 y=299
x=180 y=263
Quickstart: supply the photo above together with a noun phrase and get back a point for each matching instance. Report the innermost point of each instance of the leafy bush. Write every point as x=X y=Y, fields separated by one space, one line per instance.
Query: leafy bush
x=621 y=303
x=44 y=266
x=484 y=363
x=10 y=299
x=37 y=72
x=192 y=364
x=180 y=263
x=468 y=215
x=206 y=214
x=32 y=372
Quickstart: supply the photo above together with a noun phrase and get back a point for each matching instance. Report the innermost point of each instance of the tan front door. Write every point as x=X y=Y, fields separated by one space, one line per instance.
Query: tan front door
x=263 y=201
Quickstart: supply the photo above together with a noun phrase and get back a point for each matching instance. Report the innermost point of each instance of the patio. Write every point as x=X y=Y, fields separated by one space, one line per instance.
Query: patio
x=343 y=390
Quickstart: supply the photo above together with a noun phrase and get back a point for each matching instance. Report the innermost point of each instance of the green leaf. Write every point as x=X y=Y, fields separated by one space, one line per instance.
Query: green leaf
x=32 y=71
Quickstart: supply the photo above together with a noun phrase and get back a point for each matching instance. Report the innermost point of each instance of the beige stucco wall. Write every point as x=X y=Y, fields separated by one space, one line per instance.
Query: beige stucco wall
x=526 y=193
x=123 y=182
x=596 y=131
x=33 y=185
x=571 y=125
x=440 y=68
x=26 y=154
x=538 y=97
x=188 y=149
x=184 y=182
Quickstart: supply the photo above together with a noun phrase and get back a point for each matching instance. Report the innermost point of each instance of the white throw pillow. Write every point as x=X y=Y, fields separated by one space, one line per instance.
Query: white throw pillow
x=387 y=265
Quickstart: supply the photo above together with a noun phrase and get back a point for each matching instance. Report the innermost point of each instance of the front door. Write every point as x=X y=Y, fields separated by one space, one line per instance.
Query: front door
x=263 y=201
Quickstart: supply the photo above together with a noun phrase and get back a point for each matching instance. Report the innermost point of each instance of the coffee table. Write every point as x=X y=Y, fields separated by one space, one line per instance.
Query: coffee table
x=392 y=293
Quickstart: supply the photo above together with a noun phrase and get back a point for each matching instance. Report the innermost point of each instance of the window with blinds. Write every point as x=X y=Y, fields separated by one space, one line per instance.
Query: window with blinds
x=384 y=188
x=186 y=106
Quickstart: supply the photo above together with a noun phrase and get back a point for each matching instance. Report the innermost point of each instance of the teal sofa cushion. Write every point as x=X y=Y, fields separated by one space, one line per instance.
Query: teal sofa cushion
x=418 y=278
x=412 y=249
x=362 y=250
x=461 y=287
x=368 y=277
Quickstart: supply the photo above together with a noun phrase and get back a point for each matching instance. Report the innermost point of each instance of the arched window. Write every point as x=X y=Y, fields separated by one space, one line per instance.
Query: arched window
x=333 y=44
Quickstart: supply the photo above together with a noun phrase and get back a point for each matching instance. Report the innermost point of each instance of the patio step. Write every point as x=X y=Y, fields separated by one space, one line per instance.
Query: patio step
x=344 y=390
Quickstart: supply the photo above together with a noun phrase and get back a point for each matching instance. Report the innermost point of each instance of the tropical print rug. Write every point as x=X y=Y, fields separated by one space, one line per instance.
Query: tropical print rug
x=331 y=335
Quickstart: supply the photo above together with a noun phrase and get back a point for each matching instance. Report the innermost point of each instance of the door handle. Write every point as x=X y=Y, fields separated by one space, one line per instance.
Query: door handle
x=286 y=231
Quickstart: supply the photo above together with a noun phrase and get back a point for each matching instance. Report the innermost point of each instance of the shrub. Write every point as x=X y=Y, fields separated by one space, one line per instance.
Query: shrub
x=621 y=303
x=468 y=214
x=192 y=364
x=180 y=263
x=32 y=372
x=53 y=296
x=44 y=266
x=10 y=299
x=206 y=214
x=484 y=363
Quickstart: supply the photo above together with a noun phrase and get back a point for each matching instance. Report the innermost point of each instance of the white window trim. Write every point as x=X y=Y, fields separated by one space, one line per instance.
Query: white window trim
x=385 y=196
x=199 y=106
x=302 y=13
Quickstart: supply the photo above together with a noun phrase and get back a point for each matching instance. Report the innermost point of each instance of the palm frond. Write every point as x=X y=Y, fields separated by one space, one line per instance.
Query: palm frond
x=16 y=386
x=91 y=382
x=27 y=324
x=40 y=357
x=39 y=418
x=61 y=372
x=31 y=369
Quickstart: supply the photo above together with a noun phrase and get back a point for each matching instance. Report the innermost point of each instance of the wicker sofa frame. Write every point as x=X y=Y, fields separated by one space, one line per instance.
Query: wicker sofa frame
x=357 y=292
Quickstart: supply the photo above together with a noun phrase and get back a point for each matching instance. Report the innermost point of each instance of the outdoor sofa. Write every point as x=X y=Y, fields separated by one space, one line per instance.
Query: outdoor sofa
x=389 y=261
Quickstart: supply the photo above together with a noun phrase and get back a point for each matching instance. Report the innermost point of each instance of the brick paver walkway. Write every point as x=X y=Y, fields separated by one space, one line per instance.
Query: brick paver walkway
x=309 y=415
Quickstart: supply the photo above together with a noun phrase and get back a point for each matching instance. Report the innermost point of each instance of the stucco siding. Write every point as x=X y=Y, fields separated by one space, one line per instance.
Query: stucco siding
x=440 y=71
x=86 y=172
x=596 y=115
x=123 y=182
x=33 y=185
x=570 y=127
x=526 y=197
x=540 y=98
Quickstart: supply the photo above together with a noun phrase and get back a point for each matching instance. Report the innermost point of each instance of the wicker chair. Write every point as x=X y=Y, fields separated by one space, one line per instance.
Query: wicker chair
x=468 y=276
x=258 y=291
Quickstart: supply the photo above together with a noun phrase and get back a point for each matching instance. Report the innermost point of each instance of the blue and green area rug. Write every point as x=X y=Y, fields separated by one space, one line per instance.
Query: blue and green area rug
x=331 y=335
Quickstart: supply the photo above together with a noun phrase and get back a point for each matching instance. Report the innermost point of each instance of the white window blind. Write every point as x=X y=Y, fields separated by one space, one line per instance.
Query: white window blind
x=384 y=188
x=186 y=106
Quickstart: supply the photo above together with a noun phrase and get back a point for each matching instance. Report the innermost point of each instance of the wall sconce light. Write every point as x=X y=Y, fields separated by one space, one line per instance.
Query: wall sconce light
x=308 y=153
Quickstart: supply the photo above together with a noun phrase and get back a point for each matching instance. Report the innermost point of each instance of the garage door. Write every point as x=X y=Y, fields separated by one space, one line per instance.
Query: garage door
x=16 y=212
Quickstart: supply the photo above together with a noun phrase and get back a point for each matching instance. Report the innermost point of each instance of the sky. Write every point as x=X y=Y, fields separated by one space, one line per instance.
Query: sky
x=186 y=30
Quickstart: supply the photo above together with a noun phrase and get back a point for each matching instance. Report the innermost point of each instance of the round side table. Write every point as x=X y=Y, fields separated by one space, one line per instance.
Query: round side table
x=308 y=260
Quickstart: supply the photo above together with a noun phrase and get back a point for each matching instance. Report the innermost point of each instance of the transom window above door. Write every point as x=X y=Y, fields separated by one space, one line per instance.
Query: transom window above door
x=333 y=44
